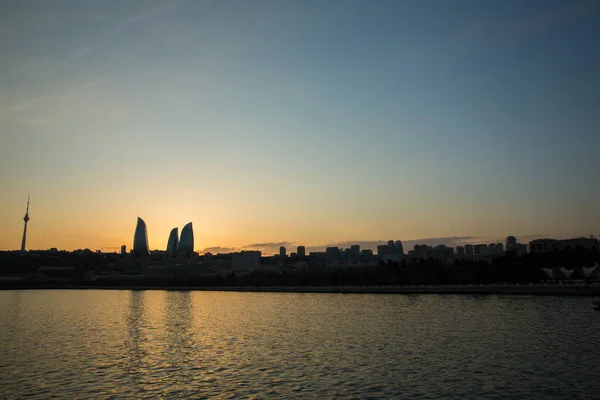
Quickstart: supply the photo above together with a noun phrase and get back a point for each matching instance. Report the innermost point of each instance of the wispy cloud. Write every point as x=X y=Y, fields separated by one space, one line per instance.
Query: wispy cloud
x=53 y=107
x=267 y=248
x=110 y=248
x=82 y=52
x=218 y=249
x=268 y=244
x=111 y=34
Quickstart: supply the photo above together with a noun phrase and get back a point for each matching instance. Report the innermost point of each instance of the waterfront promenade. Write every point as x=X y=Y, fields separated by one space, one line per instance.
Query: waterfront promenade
x=534 y=289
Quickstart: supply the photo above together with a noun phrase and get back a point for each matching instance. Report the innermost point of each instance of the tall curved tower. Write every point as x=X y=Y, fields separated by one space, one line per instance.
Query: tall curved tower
x=140 y=239
x=186 y=242
x=173 y=243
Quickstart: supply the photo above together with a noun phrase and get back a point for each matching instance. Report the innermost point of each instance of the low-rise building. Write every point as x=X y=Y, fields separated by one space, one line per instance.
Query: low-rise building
x=541 y=245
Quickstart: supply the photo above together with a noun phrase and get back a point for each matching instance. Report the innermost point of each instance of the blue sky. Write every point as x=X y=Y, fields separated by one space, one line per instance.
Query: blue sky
x=301 y=121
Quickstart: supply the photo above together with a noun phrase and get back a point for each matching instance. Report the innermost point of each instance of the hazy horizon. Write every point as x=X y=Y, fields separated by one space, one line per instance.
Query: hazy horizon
x=269 y=248
x=308 y=123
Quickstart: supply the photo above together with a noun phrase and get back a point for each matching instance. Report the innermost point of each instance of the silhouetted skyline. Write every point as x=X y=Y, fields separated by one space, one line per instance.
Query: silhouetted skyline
x=310 y=122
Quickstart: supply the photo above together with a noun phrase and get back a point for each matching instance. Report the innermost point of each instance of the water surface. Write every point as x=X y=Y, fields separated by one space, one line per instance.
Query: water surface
x=146 y=344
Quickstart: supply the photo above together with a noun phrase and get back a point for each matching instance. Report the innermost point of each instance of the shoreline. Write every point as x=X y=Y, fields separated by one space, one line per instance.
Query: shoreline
x=531 y=290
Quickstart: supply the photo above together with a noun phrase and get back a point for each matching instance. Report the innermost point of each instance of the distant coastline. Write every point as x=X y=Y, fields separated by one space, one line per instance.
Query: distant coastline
x=496 y=289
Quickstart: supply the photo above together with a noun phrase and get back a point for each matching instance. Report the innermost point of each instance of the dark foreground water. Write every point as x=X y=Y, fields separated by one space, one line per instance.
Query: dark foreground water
x=147 y=344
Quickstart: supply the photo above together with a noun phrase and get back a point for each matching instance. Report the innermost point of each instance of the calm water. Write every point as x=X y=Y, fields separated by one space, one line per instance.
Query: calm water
x=146 y=344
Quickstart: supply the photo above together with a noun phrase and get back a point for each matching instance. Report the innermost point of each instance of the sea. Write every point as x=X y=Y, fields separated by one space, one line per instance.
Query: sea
x=137 y=344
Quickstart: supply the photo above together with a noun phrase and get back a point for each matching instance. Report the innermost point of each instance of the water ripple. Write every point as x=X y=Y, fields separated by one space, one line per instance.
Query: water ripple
x=149 y=344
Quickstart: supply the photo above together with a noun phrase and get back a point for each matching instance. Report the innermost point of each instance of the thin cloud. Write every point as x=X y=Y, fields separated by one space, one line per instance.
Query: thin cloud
x=268 y=244
x=111 y=34
x=218 y=249
x=110 y=248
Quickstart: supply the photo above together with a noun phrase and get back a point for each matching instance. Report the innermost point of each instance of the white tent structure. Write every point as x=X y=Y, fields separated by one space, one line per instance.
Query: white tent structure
x=566 y=272
x=549 y=273
x=591 y=272
x=562 y=274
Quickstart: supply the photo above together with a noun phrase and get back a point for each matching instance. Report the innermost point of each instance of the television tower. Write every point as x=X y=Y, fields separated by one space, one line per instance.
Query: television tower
x=26 y=219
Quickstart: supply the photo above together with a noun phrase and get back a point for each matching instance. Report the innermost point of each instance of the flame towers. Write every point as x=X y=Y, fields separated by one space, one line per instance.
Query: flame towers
x=140 y=239
x=173 y=243
x=177 y=247
x=186 y=242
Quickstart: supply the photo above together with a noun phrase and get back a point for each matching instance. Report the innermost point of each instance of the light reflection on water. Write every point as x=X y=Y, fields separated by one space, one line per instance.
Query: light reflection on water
x=145 y=344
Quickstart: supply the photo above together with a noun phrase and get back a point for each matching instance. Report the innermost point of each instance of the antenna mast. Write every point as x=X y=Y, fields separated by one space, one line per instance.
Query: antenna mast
x=26 y=219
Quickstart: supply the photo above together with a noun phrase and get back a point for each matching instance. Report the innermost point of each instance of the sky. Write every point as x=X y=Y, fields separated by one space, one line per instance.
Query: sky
x=298 y=122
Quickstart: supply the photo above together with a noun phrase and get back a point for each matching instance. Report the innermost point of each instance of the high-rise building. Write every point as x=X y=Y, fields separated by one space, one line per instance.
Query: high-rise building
x=26 y=219
x=469 y=250
x=245 y=261
x=520 y=248
x=173 y=243
x=301 y=251
x=186 y=242
x=366 y=255
x=354 y=253
x=123 y=250
x=443 y=253
x=511 y=243
x=399 y=248
x=460 y=251
x=282 y=252
x=140 y=239
x=393 y=251
x=333 y=254
x=480 y=249
x=421 y=250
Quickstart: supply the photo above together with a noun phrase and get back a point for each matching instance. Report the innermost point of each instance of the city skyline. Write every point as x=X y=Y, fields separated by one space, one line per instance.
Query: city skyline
x=305 y=123
x=140 y=244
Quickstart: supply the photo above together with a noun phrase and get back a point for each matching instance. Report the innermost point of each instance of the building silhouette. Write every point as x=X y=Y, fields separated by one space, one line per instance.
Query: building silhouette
x=399 y=247
x=366 y=255
x=511 y=243
x=140 y=239
x=173 y=243
x=282 y=252
x=542 y=245
x=333 y=254
x=354 y=253
x=480 y=249
x=469 y=250
x=301 y=251
x=393 y=251
x=186 y=242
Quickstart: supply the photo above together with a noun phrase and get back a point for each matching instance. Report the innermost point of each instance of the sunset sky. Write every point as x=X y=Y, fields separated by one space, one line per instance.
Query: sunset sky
x=304 y=122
